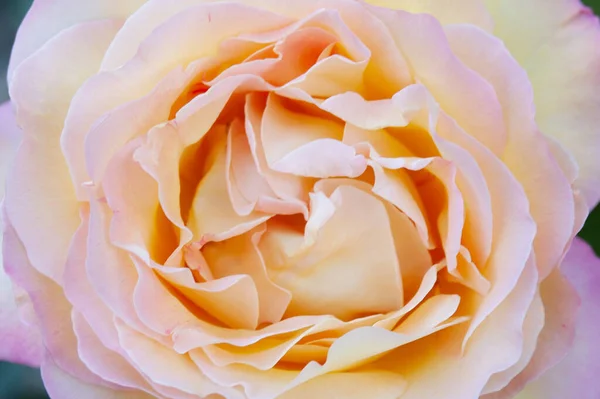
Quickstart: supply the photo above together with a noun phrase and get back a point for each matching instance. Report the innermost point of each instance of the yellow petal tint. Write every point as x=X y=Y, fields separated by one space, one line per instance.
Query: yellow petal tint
x=270 y=199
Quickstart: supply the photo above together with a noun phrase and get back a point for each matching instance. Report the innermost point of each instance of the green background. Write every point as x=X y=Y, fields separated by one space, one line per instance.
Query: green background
x=17 y=382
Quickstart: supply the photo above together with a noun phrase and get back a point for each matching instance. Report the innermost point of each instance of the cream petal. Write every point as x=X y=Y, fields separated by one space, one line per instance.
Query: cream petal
x=47 y=18
x=156 y=13
x=499 y=337
x=471 y=12
x=232 y=300
x=413 y=257
x=167 y=368
x=108 y=364
x=378 y=384
x=308 y=146
x=576 y=374
x=62 y=385
x=244 y=183
x=547 y=188
x=41 y=89
x=513 y=228
x=545 y=47
x=557 y=321
x=106 y=263
x=240 y=255
x=422 y=40
x=80 y=292
x=89 y=148
x=290 y=188
x=211 y=218
x=364 y=256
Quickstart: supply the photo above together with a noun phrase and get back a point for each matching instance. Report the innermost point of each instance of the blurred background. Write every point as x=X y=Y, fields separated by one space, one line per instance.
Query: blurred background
x=18 y=382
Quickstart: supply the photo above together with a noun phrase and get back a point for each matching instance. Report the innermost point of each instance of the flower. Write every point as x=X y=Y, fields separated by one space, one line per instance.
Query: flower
x=329 y=198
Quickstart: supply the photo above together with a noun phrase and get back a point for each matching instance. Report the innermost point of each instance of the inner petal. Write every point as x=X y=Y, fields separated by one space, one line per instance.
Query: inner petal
x=341 y=271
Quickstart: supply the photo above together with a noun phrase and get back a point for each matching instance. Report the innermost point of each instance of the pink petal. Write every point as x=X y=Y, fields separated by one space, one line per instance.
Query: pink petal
x=21 y=343
x=576 y=375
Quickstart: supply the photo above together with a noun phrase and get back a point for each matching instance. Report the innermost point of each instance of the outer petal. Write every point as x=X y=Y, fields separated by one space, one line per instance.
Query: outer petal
x=20 y=343
x=577 y=375
x=47 y=18
x=558 y=43
x=61 y=385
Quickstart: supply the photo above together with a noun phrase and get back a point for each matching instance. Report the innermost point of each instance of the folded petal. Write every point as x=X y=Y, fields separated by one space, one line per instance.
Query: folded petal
x=576 y=375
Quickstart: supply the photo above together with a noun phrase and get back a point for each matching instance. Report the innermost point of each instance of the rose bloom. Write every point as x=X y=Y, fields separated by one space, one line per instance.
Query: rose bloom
x=303 y=199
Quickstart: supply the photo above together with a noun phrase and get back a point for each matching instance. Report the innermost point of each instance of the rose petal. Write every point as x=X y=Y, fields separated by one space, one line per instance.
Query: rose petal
x=21 y=343
x=61 y=385
x=576 y=375
x=566 y=100
x=47 y=18
x=547 y=188
x=471 y=12
x=362 y=262
x=41 y=88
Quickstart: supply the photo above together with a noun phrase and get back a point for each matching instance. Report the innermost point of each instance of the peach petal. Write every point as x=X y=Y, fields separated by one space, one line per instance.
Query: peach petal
x=538 y=352
x=499 y=336
x=46 y=19
x=106 y=264
x=244 y=257
x=118 y=126
x=295 y=54
x=422 y=40
x=427 y=282
x=232 y=300
x=41 y=89
x=108 y=364
x=351 y=385
x=211 y=218
x=160 y=157
x=187 y=338
x=80 y=292
x=62 y=385
x=413 y=258
x=157 y=13
x=167 y=368
x=467 y=273
x=575 y=375
x=334 y=251
x=388 y=70
x=408 y=106
x=532 y=326
x=451 y=217
x=547 y=188
x=290 y=188
x=513 y=227
x=363 y=344
x=310 y=147
x=246 y=186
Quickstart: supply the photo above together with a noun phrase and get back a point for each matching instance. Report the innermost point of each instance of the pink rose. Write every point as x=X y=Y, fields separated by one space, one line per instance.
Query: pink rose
x=303 y=199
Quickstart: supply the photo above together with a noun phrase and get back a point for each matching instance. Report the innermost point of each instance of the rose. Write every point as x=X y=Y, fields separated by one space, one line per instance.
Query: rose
x=328 y=198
